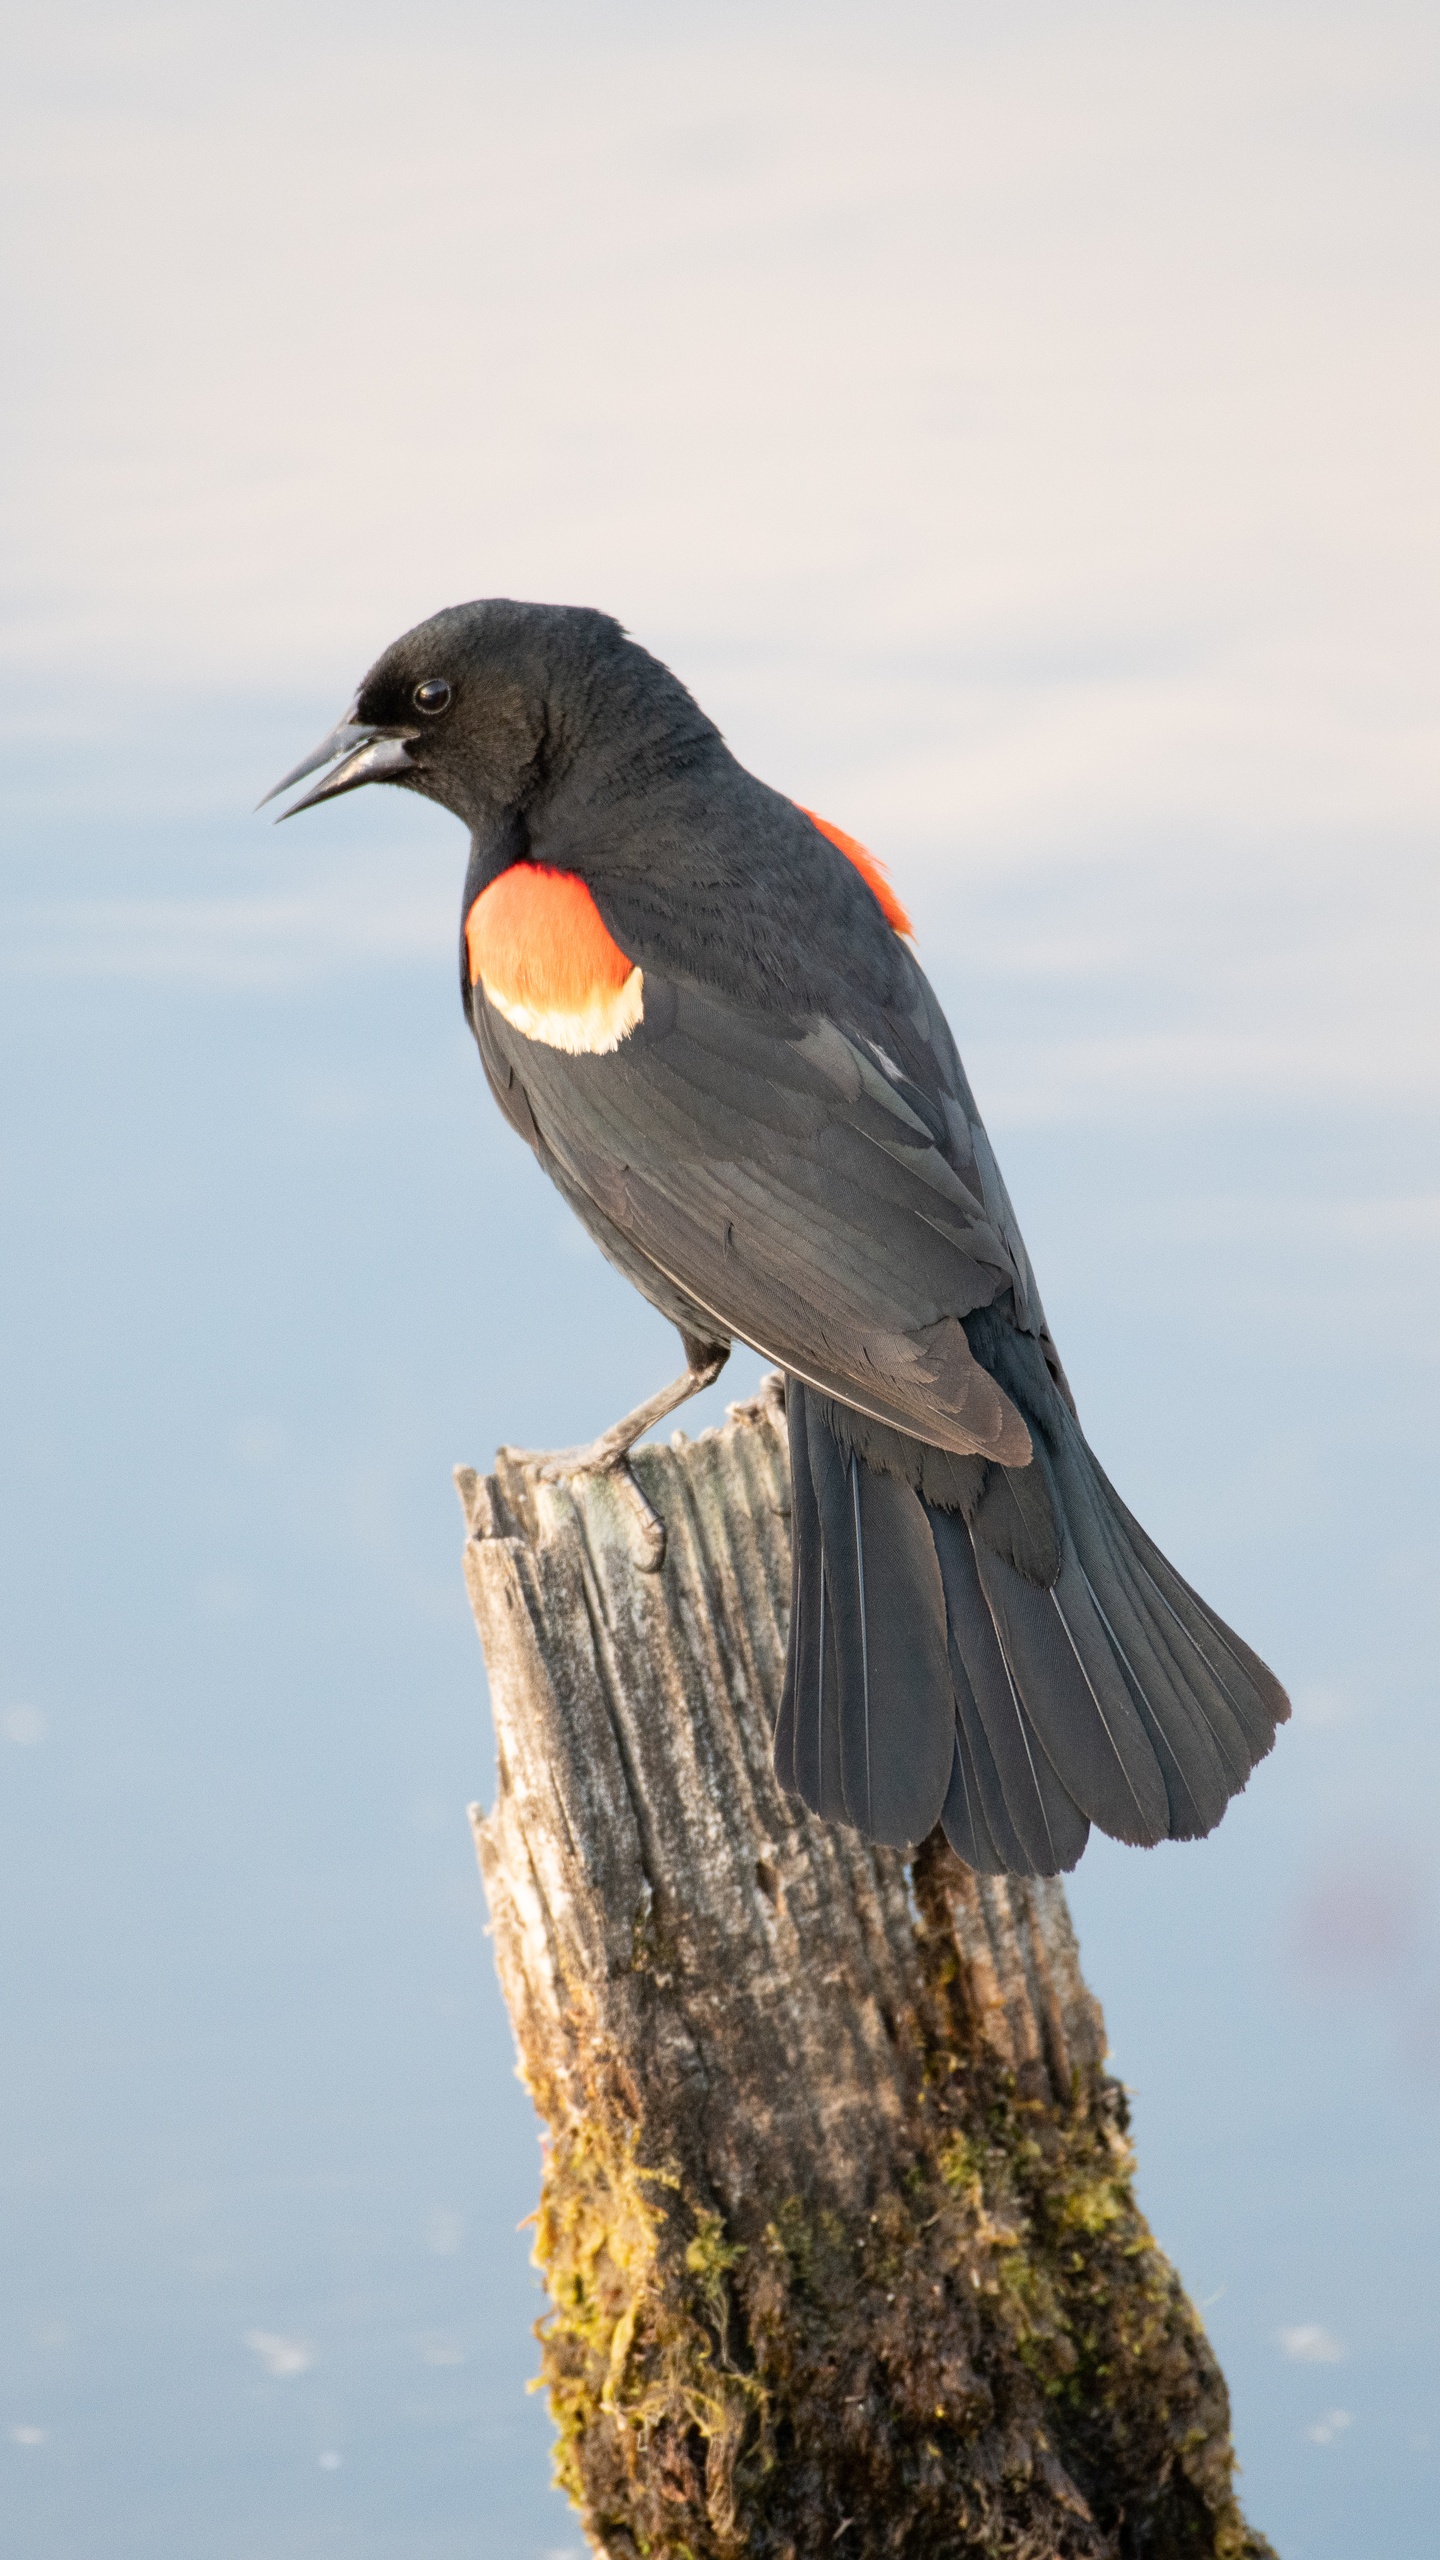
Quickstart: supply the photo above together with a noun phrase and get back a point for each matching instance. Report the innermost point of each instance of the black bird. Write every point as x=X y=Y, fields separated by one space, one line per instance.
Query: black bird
x=698 y=1004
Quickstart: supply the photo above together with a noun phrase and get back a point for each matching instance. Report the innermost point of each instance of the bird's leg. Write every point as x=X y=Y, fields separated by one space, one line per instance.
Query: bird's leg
x=610 y=1454
x=704 y=1362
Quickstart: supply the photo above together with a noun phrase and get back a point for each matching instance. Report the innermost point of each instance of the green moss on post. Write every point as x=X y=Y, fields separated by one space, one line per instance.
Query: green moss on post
x=837 y=2217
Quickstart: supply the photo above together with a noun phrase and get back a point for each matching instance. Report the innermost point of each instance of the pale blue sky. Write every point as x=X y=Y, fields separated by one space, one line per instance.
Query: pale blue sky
x=1019 y=427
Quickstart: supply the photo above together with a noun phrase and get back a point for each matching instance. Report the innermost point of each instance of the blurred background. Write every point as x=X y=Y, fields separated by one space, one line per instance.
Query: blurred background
x=1019 y=428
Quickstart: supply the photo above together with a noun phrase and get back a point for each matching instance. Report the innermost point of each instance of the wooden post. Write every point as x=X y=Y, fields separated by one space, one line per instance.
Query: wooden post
x=837 y=2215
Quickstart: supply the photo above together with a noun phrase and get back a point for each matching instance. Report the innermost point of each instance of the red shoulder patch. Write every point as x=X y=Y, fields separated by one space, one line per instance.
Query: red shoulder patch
x=536 y=938
x=873 y=873
x=536 y=942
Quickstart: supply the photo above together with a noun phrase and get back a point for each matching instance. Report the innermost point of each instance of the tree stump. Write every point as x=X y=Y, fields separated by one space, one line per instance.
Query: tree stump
x=837 y=2217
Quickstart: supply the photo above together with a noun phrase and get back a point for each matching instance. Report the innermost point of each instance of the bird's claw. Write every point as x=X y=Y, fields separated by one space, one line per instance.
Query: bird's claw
x=557 y=1466
x=551 y=1466
x=560 y=1466
x=610 y=1454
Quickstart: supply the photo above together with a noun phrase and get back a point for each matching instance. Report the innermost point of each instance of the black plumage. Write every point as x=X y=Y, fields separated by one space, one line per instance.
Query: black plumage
x=777 y=1144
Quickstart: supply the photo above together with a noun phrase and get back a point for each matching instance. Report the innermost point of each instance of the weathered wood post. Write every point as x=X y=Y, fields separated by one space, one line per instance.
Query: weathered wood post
x=837 y=2218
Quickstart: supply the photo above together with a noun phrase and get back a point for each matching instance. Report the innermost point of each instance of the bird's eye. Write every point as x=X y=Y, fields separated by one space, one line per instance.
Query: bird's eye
x=432 y=696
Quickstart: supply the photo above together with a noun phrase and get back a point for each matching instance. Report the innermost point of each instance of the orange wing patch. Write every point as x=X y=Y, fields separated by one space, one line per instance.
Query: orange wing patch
x=538 y=946
x=873 y=873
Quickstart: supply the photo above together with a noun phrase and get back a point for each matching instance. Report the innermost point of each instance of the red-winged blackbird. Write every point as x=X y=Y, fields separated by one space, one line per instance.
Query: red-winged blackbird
x=698 y=1004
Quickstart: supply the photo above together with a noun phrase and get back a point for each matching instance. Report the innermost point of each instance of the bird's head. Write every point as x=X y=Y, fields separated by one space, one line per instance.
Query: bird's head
x=486 y=703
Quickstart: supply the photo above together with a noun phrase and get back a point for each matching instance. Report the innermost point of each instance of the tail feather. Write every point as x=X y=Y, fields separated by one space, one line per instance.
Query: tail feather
x=963 y=1821
x=1013 y=1667
x=1189 y=1718
x=992 y=1712
x=1219 y=1705
x=1254 y=1693
x=807 y=1734
x=985 y=1795
x=1077 y=1698
x=893 y=1719
x=1198 y=1785
x=1166 y=1664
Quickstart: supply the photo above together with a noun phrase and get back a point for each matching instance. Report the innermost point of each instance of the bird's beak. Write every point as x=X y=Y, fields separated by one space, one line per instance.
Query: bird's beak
x=366 y=755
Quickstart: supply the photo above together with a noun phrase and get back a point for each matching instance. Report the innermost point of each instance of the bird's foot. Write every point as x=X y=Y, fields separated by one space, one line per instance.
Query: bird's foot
x=610 y=1454
x=601 y=1458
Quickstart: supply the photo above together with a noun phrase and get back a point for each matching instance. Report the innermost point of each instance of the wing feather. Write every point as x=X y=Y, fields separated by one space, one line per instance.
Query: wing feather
x=787 y=1179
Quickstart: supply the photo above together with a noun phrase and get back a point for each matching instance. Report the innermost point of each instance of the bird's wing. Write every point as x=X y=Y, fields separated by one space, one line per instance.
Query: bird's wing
x=822 y=1193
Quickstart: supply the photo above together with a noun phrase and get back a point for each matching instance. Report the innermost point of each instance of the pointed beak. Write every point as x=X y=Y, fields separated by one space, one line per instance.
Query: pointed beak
x=365 y=755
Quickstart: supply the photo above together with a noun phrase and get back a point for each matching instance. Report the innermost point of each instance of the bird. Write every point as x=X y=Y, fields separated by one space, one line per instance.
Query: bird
x=699 y=1004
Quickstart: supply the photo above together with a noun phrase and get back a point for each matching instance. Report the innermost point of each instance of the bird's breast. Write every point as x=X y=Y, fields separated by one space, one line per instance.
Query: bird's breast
x=538 y=946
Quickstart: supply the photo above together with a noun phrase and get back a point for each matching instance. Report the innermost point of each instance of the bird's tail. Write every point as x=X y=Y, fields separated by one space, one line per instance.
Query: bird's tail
x=1016 y=1667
